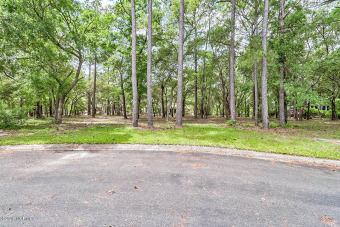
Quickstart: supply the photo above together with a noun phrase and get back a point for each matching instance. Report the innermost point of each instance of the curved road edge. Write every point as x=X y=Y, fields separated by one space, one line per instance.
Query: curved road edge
x=273 y=157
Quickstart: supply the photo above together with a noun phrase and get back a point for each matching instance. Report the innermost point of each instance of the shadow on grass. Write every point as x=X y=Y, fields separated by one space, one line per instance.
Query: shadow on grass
x=203 y=135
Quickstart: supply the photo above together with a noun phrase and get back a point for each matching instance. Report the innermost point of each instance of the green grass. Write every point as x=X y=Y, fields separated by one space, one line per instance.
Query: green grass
x=217 y=135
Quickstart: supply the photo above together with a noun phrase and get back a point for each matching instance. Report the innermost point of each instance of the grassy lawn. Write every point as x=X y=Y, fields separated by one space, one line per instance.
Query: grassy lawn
x=298 y=138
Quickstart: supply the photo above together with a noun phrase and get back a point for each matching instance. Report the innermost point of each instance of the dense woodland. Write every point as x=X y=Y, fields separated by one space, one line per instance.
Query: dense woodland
x=171 y=58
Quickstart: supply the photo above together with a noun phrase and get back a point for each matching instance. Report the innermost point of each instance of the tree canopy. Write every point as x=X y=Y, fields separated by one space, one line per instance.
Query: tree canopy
x=49 y=49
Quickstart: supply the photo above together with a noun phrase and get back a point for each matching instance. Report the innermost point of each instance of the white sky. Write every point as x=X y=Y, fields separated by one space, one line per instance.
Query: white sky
x=104 y=2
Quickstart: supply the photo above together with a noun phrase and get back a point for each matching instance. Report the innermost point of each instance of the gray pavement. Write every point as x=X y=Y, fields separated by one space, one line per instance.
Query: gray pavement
x=139 y=185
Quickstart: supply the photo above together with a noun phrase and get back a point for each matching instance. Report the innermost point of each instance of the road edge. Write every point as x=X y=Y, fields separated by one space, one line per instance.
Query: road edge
x=178 y=148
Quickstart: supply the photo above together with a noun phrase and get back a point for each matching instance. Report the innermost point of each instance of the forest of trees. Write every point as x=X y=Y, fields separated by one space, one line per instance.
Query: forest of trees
x=245 y=58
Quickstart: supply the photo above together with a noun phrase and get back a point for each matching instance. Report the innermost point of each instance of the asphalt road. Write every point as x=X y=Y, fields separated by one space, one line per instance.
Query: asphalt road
x=163 y=188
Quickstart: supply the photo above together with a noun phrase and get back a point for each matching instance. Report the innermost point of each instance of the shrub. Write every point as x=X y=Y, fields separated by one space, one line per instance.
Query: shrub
x=11 y=118
x=272 y=112
x=273 y=125
x=312 y=111
x=248 y=124
x=323 y=113
x=289 y=125
x=328 y=113
x=231 y=123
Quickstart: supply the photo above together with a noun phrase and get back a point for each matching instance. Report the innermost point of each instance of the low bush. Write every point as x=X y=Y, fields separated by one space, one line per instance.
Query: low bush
x=272 y=113
x=273 y=125
x=12 y=118
x=231 y=123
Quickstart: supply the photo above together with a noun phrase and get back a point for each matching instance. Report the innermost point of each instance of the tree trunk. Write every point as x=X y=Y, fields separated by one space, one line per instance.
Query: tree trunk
x=50 y=107
x=202 y=99
x=282 y=110
x=166 y=101
x=256 y=87
x=256 y=96
x=180 y=65
x=308 y=111
x=163 y=108
x=139 y=109
x=248 y=109
x=204 y=84
x=232 y=62
x=134 y=67
x=154 y=110
x=47 y=111
x=295 y=112
x=59 y=102
x=285 y=108
x=196 y=98
x=56 y=106
x=265 y=116
x=94 y=87
x=59 y=109
x=245 y=106
x=108 y=107
x=89 y=104
x=123 y=96
x=89 y=94
x=37 y=111
x=69 y=113
x=253 y=114
x=223 y=93
x=149 y=66
x=301 y=114
x=183 y=106
x=334 y=115
x=170 y=104
x=207 y=107
x=40 y=110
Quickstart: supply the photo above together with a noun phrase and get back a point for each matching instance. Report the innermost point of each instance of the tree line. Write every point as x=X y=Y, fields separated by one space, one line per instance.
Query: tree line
x=250 y=58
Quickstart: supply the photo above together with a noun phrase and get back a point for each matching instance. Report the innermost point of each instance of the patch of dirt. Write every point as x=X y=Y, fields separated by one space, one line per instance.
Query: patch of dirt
x=8 y=133
x=328 y=221
x=334 y=141
x=182 y=222
x=51 y=197
x=109 y=193
x=242 y=155
x=142 y=127
x=81 y=125
x=198 y=165
x=188 y=151
x=331 y=122
x=271 y=130
x=150 y=129
x=330 y=167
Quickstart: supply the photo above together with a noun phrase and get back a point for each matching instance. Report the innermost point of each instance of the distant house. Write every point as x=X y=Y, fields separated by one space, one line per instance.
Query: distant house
x=321 y=107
